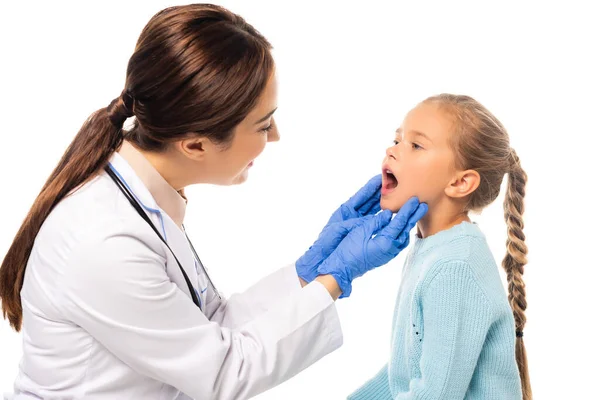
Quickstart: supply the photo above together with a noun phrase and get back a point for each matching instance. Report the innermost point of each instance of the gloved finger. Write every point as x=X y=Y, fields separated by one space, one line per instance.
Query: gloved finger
x=395 y=228
x=378 y=222
x=365 y=193
x=417 y=215
x=372 y=206
x=402 y=240
x=376 y=207
x=393 y=246
x=349 y=224
x=338 y=230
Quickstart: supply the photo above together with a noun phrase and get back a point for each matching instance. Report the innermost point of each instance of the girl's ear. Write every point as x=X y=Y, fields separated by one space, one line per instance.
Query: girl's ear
x=463 y=184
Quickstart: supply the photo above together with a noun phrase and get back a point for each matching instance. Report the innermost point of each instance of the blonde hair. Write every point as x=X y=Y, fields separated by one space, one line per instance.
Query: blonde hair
x=481 y=143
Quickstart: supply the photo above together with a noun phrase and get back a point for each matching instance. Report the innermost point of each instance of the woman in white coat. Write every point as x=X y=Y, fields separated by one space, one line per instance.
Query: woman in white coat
x=112 y=298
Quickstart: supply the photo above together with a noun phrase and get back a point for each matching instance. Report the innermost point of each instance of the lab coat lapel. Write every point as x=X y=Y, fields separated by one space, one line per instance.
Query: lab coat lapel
x=165 y=225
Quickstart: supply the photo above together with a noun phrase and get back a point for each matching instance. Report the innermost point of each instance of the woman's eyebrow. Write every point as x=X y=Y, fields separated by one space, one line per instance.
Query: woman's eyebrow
x=266 y=117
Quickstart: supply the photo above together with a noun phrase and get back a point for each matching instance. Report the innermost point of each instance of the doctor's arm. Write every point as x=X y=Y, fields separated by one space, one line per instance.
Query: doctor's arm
x=243 y=307
x=239 y=308
x=117 y=289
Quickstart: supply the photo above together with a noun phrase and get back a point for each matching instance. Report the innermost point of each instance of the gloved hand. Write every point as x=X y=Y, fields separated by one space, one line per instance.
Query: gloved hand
x=364 y=202
x=360 y=252
x=331 y=236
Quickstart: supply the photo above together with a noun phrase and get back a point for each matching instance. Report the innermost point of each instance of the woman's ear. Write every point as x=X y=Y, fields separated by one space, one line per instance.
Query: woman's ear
x=194 y=147
x=463 y=184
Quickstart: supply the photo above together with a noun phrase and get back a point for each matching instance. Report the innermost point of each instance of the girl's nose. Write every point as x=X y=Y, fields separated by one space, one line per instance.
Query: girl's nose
x=391 y=152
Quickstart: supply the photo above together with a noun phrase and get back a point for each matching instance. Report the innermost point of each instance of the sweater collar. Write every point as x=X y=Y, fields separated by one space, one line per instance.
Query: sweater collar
x=422 y=245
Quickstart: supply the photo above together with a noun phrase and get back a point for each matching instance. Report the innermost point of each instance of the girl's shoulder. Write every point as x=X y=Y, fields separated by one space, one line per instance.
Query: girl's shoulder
x=465 y=259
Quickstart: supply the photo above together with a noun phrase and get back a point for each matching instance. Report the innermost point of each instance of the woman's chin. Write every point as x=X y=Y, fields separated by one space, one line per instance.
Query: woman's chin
x=239 y=179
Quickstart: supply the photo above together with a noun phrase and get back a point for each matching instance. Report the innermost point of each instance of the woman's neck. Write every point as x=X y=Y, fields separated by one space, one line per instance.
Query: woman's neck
x=164 y=163
x=441 y=217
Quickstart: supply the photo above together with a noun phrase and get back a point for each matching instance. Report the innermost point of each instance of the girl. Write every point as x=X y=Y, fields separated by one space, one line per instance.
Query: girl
x=454 y=332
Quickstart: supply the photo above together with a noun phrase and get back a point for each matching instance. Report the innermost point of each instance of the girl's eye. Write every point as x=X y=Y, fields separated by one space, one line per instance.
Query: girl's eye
x=416 y=146
x=396 y=142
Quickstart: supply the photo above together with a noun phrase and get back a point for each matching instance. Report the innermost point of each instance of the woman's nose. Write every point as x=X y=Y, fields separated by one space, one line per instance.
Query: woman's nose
x=273 y=134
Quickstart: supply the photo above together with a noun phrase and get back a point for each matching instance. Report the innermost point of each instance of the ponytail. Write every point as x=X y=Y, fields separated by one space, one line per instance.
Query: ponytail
x=88 y=153
x=514 y=261
x=181 y=56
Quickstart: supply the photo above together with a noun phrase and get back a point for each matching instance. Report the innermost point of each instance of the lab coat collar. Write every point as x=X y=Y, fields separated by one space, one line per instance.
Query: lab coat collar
x=153 y=191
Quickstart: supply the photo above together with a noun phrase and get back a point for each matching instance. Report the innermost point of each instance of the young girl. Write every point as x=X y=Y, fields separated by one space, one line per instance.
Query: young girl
x=454 y=331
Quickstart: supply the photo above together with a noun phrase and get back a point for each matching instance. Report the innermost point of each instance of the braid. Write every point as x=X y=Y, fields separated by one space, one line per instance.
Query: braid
x=515 y=260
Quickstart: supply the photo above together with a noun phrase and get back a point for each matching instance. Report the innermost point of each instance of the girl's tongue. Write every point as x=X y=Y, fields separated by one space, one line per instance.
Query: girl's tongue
x=389 y=182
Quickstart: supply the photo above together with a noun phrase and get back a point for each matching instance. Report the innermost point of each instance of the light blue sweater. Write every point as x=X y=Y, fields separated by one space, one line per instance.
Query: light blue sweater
x=453 y=332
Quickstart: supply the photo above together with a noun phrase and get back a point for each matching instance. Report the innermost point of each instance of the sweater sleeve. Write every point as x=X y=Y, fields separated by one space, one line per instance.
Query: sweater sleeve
x=456 y=318
x=377 y=388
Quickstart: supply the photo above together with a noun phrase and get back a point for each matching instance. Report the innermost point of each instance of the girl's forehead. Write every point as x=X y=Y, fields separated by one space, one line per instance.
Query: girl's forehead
x=426 y=120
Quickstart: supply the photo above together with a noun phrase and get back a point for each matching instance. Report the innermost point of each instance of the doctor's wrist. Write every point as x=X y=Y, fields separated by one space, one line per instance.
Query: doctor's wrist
x=330 y=284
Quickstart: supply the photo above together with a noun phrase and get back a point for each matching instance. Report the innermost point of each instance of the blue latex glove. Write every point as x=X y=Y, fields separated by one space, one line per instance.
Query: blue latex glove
x=331 y=236
x=364 y=202
x=360 y=252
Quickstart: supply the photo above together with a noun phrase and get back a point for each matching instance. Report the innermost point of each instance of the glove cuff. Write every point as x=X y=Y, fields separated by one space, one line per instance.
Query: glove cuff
x=344 y=284
x=305 y=272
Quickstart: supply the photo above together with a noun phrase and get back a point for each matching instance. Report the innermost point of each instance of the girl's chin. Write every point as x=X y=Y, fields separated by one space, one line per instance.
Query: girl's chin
x=390 y=204
x=395 y=201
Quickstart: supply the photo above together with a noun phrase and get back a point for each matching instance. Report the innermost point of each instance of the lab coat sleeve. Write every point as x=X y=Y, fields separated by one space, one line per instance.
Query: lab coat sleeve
x=117 y=289
x=240 y=308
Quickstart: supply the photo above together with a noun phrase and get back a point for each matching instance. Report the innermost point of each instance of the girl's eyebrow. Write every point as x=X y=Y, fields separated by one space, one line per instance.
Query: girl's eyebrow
x=417 y=133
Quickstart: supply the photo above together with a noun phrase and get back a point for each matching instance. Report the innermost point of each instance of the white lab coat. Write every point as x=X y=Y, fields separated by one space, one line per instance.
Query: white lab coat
x=107 y=313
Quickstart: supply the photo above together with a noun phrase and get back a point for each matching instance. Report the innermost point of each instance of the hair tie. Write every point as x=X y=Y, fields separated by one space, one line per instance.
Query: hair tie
x=514 y=156
x=120 y=109
x=519 y=333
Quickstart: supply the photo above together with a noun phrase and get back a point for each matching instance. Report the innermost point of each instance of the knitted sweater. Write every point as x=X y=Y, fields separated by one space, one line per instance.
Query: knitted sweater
x=453 y=332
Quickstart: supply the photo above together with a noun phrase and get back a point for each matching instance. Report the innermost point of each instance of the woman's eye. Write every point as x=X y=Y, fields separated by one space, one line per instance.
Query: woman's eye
x=267 y=129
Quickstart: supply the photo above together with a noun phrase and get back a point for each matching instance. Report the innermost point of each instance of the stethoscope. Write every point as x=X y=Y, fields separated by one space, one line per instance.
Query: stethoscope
x=125 y=190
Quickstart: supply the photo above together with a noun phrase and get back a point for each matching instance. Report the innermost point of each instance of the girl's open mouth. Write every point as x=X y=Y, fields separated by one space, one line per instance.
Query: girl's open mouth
x=389 y=182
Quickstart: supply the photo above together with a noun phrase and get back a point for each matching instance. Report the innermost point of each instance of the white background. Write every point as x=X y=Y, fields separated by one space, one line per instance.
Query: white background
x=348 y=73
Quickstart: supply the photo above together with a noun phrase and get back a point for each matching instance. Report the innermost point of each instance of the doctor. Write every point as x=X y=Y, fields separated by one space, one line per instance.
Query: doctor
x=112 y=298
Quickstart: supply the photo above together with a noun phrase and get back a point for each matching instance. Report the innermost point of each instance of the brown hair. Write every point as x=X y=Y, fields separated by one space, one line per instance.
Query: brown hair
x=196 y=69
x=481 y=143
